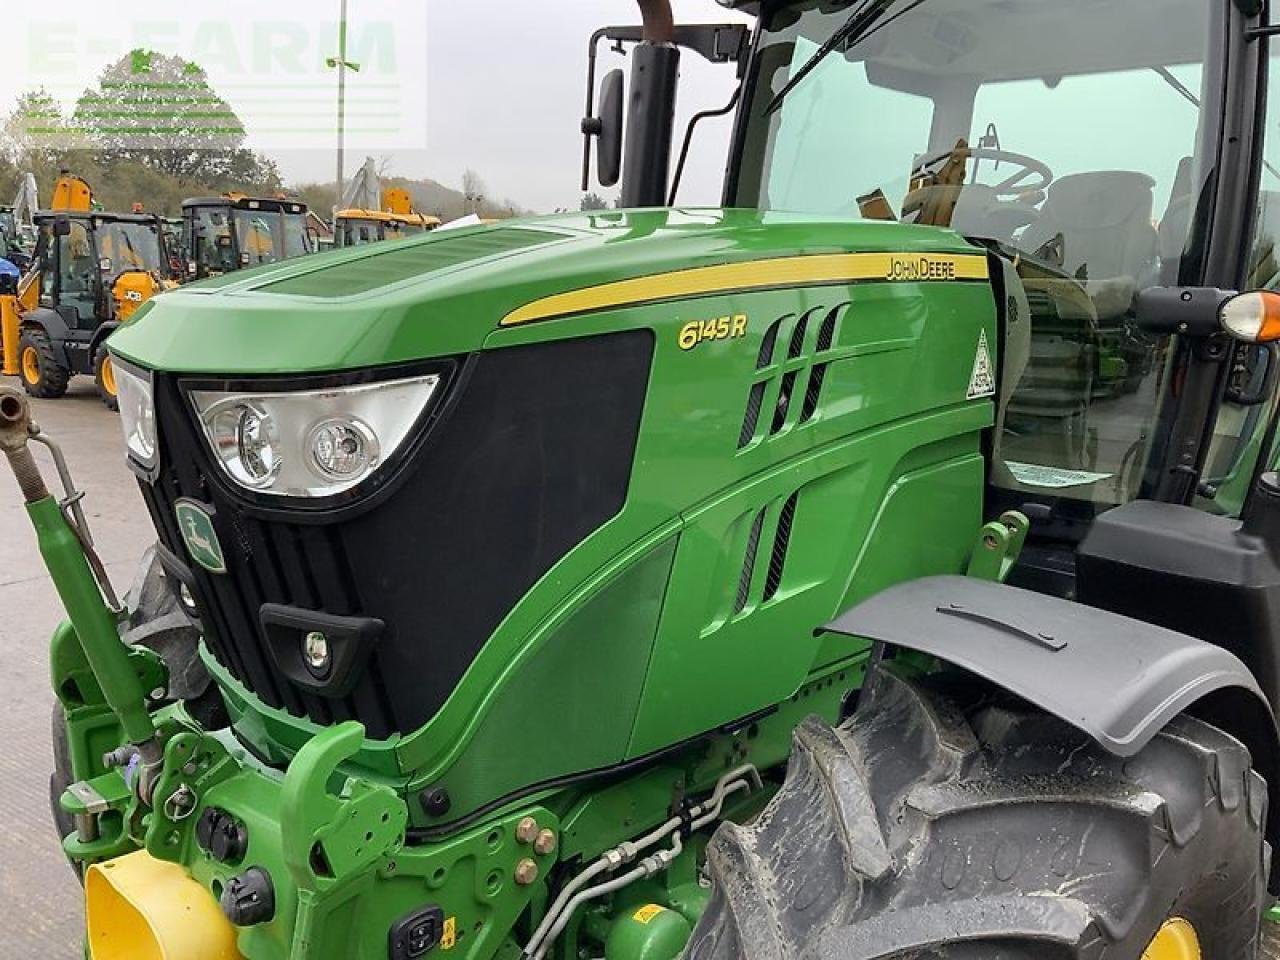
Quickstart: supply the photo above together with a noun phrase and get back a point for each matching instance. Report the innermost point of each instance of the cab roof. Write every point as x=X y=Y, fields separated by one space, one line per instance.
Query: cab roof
x=384 y=216
x=273 y=204
x=101 y=216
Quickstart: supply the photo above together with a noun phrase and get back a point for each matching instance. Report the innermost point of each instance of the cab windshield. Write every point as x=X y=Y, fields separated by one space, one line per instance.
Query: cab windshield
x=129 y=246
x=265 y=236
x=355 y=231
x=213 y=244
x=1073 y=138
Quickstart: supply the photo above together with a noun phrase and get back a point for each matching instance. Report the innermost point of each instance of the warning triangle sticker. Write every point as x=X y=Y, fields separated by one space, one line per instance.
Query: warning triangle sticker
x=982 y=382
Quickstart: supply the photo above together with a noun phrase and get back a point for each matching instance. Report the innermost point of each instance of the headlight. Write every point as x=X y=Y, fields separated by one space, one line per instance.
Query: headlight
x=137 y=412
x=312 y=443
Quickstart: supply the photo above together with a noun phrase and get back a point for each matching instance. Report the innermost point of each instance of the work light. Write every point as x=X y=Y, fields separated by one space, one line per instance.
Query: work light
x=310 y=443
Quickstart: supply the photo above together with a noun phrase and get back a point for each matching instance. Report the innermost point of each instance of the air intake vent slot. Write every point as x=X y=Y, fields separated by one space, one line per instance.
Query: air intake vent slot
x=813 y=393
x=755 y=399
x=749 y=563
x=797 y=337
x=784 y=402
x=767 y=344
x=827 y=334
x=778 y=559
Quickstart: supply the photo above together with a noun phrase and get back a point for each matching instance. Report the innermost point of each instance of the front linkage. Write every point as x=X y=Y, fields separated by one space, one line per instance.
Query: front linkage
x=168 y=793
x=189 y=844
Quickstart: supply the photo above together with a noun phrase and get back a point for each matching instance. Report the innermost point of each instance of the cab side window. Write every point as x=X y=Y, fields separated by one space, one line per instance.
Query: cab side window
x=46 y=254
x=77 y=273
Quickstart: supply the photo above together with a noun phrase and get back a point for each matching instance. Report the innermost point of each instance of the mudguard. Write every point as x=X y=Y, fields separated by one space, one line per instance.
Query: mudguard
x=1118 y=680
x=103 y=331
x=50 y=321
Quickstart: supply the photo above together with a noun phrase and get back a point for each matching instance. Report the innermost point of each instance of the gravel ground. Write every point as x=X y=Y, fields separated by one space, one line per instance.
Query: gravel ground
x=43 y=916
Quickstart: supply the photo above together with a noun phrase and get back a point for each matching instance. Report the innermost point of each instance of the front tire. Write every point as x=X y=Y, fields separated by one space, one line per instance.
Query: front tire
x=943 y=822
x=43 y=375
x=104 y=378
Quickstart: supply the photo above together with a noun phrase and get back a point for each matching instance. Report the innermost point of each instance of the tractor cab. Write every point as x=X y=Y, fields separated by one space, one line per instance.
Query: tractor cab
x=353 y=228
x=395 y=219
x=231 y=232
x=1084 y=147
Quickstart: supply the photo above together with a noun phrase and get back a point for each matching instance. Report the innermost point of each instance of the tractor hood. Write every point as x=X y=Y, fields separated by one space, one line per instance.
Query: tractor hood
x=446 y=292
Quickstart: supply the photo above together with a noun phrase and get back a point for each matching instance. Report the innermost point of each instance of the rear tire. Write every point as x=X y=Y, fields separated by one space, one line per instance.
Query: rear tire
x=943 y=822
x=104 y=378
x=60 y=779
x=43 y=376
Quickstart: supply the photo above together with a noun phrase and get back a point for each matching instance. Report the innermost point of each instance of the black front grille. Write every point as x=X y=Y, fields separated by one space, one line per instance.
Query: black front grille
x=531 y=454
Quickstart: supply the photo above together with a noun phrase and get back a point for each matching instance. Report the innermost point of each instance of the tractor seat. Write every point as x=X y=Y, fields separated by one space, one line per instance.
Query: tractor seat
x=1097 y=226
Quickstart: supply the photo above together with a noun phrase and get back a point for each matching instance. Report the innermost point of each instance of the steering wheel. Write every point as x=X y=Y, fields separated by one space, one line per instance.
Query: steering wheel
x=1010 y=186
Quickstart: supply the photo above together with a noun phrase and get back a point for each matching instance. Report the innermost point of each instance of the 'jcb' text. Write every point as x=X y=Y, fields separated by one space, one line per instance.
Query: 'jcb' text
x=722 y=328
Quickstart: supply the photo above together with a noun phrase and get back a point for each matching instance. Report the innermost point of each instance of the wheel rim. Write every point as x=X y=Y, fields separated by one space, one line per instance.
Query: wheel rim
x=1176 y=940
x=108 y=376
x=31 y=365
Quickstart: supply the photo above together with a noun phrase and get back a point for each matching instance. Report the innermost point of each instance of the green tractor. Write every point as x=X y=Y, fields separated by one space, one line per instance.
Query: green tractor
x=883 y=566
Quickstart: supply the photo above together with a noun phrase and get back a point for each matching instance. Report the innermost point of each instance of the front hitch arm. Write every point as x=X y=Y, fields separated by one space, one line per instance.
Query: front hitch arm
x=64 y=549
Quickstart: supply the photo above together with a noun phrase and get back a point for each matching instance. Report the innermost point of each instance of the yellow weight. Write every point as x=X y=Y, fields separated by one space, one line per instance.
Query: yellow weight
x=141 y=908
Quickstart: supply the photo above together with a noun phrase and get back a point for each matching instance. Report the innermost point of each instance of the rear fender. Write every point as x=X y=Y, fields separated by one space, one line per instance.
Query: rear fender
x=101 y=334
x=50 y=321
x=1117 y=679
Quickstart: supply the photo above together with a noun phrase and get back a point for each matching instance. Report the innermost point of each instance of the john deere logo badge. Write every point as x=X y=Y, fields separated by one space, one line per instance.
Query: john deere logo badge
x=200 y=537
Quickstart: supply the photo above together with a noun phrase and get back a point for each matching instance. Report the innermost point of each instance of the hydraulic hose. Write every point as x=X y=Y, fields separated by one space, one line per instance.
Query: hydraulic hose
x=744 y=777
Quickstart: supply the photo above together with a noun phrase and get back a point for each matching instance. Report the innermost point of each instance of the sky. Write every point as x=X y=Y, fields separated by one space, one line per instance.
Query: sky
x=443 y=86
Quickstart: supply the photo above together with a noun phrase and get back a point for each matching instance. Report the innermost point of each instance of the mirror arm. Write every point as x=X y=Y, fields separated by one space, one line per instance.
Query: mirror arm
x=688 y=140
x=1190 y=311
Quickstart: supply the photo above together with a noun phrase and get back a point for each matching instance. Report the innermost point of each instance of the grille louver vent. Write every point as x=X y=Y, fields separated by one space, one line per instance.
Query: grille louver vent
x=778 y=559
x=796 y=379
x=749 y=564
x=754 y=400
x=767 y=345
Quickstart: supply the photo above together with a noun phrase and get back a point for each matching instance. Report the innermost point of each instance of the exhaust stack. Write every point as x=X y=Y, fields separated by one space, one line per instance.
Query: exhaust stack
x=655 y=68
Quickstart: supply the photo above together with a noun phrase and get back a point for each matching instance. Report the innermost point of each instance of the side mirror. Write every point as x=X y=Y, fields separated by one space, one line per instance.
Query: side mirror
x=607 y=129
x=61 y=227
x=609 y=141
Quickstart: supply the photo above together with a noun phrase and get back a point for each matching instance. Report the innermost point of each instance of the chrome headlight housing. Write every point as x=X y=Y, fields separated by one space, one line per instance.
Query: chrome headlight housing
x=310 y=443
x=137 y=402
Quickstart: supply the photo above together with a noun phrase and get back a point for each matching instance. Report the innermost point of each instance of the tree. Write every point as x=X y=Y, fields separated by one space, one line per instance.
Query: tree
x=161 y=112
x=35 y=133
x=593 y=201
